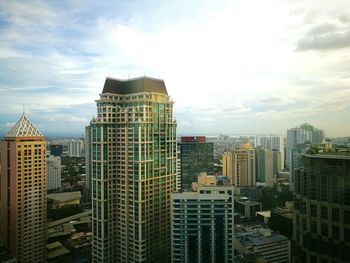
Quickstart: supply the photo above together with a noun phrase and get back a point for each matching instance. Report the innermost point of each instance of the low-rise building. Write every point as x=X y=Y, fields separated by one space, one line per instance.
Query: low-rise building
x=59 y=200
x=57 y=253
x=257 y=238
x=246 y=207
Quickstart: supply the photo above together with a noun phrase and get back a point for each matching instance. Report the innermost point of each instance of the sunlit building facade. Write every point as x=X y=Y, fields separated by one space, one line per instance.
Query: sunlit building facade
x=23 y=190
x=133 y=170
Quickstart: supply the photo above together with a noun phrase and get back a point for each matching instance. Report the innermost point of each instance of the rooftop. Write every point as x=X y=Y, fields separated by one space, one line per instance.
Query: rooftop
x=24 y=128
x=64 y=197
x=135 y=85
x=345 y=155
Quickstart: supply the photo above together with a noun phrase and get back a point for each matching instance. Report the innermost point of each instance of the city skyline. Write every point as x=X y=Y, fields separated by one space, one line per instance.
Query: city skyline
x=268 y=66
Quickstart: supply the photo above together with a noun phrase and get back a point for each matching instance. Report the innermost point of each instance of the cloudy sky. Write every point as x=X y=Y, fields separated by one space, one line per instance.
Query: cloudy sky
x=234 y=67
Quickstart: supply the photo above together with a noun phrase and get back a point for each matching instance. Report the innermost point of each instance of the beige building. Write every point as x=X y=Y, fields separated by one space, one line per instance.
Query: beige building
x=59 y=200
x=239 y=166
x=23 y=182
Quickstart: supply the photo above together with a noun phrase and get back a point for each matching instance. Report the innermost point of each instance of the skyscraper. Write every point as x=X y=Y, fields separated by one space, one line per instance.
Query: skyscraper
x=133 y=170
x=196 y=156
x=322 y=209
x=75 y=148
x=23 y=190
x=264 y=166
x=53 y=165
x=296 y=137
x=239 y=166
x=273 y=143
x=203 y=224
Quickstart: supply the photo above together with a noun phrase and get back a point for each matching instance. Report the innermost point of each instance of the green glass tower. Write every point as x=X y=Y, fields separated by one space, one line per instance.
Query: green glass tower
x=133 y=169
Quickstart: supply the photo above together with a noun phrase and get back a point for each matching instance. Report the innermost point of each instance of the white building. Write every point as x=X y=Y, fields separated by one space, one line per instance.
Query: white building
x=75 y=148
x=53 y=166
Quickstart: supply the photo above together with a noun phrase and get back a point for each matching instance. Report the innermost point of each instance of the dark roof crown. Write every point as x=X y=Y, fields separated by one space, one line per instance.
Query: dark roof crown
x=137 y=85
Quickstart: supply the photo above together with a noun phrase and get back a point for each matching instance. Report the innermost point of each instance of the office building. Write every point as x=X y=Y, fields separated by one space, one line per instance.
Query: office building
x=257 y=238
x=273 y=143
x=276 y=162
x=264 y=166
x=133 y=170
x=178 y=169
x=196 y=156
x=246 y=207
x=203 y=224
x=75 y=148
x=322 y=209
x=53 y=167
x=23 y=190
x=239 y=166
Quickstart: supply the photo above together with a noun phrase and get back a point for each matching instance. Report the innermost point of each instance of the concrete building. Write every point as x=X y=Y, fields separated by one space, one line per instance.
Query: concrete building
x=57 y=253
x=203 y=225
x=257 y=238
x=133 y=171
x=23 y=182
x=296 y=137
x=264 y=166
x=196 y=156
x=87 y=152
x=178 y=169
x=273 y=143
x=75 y=148
x=239 y=166
x=56 y=149
x=53 y=167
x=322 y=209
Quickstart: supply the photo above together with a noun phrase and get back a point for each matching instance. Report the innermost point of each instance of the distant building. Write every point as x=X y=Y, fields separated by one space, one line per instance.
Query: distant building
x=53 y=165
x=322 y=209
x=75 y=148
x=297 y=136
x=252 y=192
x=264 y=166
x=257 y=238
x=23 y=190
x=56 y=149
x=273 y=143
x=196 y=156
x=202 y=225
x=239 y=166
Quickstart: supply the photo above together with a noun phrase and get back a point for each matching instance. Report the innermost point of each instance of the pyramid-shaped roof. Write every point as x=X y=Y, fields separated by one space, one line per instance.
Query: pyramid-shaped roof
x=24 y=128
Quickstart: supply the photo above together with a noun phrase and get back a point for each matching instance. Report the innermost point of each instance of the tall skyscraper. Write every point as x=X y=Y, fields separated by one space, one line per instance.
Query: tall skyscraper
x=23 y=190
x=264 y=166
x=239 y=166
x=87 y=152
x=203 y=224
x=322 y=209
x=296 y=137
x=75 y=148
x=53 y=165
x=196 y=156
x=133 y=170
x=273 y=143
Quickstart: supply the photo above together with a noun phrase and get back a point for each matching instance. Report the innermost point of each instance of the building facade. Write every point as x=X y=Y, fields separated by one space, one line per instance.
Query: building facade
x=264 y=166
x=53 y=167
x=196 y=156
x=76 y=148
x=273 y=143
x=322 y=209
x=202 y=225
x=23 y=182
x=133 y=170
x=239 y=166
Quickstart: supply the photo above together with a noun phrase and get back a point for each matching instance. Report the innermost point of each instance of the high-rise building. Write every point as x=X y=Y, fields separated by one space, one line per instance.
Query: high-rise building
x=196 y=156
x=239 y=166
x=178 y=169
x=133 y=170
x=23 y=190
x=56 y=149
x=264 y=166
x=273 y=143
x=75 y=148
x=322 y=209
x=276 y=162
x=53 y=168
x=203 y=224
x=87 y=151
x=296 y=138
